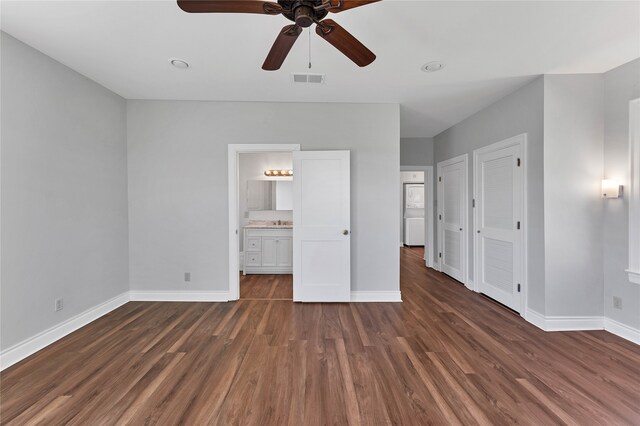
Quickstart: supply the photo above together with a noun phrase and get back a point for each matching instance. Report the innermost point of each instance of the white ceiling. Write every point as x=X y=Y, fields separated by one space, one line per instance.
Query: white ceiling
x=490 y=49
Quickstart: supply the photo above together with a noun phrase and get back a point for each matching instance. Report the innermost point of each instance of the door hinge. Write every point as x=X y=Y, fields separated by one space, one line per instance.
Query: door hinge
x=440 y=255
x=439 y=217
x=518 y=287
x=473 y=203
x=440 y=179
x=518 y=162
x=518 y=225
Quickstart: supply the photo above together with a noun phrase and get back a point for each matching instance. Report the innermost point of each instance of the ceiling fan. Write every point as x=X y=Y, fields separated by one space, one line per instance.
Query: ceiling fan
x=303 y=13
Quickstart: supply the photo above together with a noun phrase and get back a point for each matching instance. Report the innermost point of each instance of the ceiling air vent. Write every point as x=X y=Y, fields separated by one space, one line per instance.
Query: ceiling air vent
x=307 y=78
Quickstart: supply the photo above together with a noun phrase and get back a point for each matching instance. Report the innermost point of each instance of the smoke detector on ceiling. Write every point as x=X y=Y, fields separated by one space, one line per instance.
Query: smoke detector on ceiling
x=307 y=78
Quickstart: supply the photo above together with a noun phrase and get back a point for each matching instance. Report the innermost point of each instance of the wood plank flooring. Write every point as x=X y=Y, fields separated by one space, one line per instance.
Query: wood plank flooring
x=266 y=287
x=443 y=356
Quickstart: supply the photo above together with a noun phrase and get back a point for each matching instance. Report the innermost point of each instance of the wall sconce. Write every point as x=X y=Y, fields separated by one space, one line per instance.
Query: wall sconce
x=278 y=173
x=611 y=189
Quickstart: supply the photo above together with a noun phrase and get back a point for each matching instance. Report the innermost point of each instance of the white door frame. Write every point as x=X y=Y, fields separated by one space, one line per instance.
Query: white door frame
x=428 y=214
x=519 y=140
x=234 y=227
x=464 y=158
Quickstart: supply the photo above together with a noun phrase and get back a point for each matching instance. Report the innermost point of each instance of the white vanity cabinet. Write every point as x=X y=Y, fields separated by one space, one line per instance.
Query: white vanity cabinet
x=268 y=251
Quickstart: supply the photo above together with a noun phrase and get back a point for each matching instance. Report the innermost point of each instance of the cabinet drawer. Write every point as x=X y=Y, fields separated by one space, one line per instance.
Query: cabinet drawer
x=253 y=244
x=252 y=259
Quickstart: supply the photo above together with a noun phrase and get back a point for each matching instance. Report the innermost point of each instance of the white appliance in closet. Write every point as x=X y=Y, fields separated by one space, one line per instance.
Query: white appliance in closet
x=414 y=214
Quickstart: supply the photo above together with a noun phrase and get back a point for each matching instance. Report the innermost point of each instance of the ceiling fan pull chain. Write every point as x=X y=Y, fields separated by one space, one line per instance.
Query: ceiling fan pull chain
x=309 y=48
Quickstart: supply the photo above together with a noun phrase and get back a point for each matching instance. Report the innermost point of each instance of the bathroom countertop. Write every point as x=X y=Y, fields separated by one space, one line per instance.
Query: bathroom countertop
x=268 y=224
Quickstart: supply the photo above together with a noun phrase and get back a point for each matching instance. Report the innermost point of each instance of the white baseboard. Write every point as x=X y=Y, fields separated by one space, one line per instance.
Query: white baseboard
x=556 y=323
x=470 y=285
x=562 y=323
x=536 y=319
x=622 y=330
x=634 y=276
x=376 y=296
x=27 y=347
x=179 y=296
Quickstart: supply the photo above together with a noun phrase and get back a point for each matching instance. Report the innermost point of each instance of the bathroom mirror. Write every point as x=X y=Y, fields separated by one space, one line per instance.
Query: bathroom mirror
x=269 y=195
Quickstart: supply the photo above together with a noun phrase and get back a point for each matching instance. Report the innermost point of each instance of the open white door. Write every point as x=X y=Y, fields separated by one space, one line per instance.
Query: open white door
x=452 y=217
x=321 y=226
x=498 y=245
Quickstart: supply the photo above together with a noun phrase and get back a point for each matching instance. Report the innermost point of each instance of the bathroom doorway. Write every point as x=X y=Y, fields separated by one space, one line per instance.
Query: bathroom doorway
x=260 y=221
x=265 y=219
x=317 y=248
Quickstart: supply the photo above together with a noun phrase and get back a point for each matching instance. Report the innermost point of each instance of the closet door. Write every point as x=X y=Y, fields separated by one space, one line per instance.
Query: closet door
x=452 y=214
x=498 y=195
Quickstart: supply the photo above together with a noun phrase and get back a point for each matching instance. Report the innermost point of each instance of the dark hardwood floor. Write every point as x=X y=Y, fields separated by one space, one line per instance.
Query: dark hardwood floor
x=266 y=287
x=443 y=356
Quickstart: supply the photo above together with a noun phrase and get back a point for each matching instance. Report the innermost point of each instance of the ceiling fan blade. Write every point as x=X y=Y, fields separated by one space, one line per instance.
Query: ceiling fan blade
x=345 y=42
x=341 y=6
x=281 y=47
x=230 y=6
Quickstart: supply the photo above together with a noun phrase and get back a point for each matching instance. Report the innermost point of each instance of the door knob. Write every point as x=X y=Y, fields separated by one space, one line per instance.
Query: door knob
x=345 y=232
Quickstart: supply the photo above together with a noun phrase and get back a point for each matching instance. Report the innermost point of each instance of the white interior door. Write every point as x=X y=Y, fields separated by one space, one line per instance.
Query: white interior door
x=498 y=242
x=452 y=214
x=321 y=226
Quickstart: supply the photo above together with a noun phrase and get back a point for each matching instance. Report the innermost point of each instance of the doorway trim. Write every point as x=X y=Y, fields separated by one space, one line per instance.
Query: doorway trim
x=518 y=140
x=234 y=150
x=464 y=159
x=430 y=261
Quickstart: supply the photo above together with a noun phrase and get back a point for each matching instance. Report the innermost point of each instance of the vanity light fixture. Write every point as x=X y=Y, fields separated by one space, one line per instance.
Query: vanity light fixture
x=611 y=188
x=281 y=173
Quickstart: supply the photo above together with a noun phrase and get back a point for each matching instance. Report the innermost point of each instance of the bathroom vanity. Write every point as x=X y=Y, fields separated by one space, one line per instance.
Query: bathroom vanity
x=268 y=248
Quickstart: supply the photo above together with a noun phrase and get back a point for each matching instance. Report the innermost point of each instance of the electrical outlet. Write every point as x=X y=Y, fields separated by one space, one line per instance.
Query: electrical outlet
x=59 y=305
x=617 y=302
x=187 y=277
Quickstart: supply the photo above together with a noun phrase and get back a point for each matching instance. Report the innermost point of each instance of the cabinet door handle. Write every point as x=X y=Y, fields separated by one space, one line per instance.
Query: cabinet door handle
x=345 y=232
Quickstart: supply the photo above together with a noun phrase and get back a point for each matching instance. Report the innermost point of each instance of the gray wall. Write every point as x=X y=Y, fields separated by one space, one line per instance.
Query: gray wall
x=64 y=193
x=177 y=153
x=416 y=151
x=621 y=85
x=573 y=158
x=519 y=112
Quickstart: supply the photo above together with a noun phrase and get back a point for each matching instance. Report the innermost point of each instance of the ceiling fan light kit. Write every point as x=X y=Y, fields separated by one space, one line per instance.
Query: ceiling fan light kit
x=303 y=14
